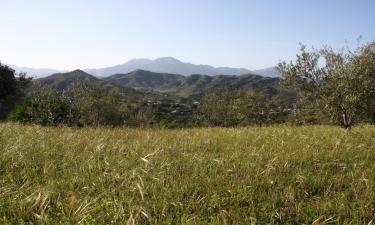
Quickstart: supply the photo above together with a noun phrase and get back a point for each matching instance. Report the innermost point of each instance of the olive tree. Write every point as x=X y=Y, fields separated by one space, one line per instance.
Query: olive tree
x=340 y=83
x=364 y=72
x=219 y=108
x=254 y=108
x=49 y=108
x=96 y=105
x=230 y=108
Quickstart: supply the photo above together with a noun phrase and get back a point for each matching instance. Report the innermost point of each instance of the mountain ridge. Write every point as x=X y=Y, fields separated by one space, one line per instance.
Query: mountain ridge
x=158 y=65
x=166 y=65
x=176 y=85
x=61 y=81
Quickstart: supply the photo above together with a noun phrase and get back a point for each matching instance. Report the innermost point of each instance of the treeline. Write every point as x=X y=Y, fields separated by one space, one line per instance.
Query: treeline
x=82 y=104
x=241 y=108
x=89 y=104
x=320 y=87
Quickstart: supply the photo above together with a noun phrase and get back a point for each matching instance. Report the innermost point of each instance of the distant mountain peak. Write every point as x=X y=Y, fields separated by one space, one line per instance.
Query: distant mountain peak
x=139 y=60
x=78 y=71
x=167 y=59
x=166 y=65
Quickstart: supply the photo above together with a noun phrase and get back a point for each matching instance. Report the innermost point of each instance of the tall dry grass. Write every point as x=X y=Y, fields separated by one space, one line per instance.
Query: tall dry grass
x=276 y=175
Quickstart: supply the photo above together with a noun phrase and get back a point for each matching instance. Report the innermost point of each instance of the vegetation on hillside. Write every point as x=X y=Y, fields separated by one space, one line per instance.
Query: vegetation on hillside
x=193 y=86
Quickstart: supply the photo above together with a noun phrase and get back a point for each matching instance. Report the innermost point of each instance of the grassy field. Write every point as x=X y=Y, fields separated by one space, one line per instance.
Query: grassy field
x=276 y=175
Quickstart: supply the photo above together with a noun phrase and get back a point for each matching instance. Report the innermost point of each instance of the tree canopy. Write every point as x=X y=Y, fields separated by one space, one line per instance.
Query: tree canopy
x=339 y=83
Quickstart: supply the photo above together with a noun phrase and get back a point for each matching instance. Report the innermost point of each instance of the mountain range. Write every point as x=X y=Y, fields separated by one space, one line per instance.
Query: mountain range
x=35 y=72
x=176 y=85
x=268 y=72
x=159 y=65
x=167 y=65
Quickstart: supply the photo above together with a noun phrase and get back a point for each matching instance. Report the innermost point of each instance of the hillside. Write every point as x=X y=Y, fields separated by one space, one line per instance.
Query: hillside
x=268 y=72
x=193 y=85
x=61 y=81
x=164 y=83
x=141 y=79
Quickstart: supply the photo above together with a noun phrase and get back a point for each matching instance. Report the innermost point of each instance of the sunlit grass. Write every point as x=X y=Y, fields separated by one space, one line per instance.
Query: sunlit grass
x=277 y=175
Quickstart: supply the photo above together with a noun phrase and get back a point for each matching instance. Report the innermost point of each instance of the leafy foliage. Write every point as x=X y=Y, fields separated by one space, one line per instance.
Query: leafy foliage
x=96 y=106
x=228 y=108
x=49 y=108
x=8 y=82
x=12 y=89
x=336 y=82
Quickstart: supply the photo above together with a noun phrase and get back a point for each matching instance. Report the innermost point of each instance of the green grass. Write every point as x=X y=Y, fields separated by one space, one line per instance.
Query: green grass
x=275 y=175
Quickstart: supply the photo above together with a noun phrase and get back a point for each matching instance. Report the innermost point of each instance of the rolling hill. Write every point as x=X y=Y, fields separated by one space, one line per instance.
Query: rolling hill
x=141 y=79
x=193 y=85
x=268 y=72
x=61 y=81
x=165 y=83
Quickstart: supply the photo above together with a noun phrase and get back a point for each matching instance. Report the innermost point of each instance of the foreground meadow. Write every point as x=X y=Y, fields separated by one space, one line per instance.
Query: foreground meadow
x=277 y=175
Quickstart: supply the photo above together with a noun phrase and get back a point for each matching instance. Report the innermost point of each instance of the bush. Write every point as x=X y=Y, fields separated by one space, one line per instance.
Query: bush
x=19 y=113
x=8 y=82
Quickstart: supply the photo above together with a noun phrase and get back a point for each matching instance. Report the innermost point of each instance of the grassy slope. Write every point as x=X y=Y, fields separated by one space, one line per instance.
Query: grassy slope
x=197 y=176
x=193 y=85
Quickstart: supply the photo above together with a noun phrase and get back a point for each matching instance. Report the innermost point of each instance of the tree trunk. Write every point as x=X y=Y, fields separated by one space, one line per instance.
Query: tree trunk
x=346 y=122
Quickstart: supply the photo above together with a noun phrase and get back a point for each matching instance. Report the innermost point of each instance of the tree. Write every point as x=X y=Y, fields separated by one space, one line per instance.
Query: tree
x=254 y=108
x=8 y=81
x=82 y=104
x=48 y=108
x=336 y=82
x=231 y=108
x=96 y=105
x=12 y=89
x=364 y=71
x=218 y=108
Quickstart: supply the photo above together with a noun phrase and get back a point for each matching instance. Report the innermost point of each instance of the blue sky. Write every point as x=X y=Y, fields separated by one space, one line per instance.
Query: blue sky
x=70 y=34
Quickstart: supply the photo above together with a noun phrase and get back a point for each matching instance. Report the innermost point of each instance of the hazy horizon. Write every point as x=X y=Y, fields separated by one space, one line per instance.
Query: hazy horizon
x=67 y=35
x=129 y=60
